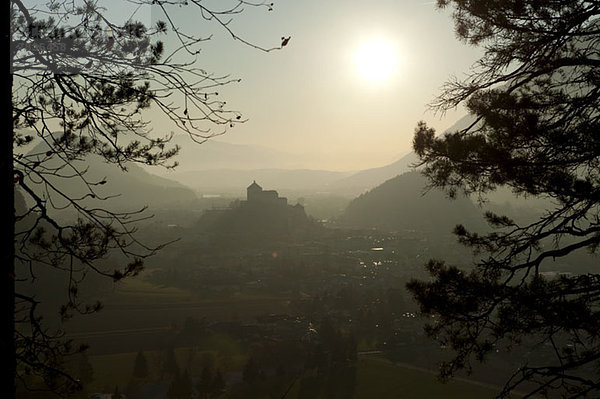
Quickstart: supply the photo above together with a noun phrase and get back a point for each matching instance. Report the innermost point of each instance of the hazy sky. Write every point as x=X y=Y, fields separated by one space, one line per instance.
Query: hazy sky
x=312 y=98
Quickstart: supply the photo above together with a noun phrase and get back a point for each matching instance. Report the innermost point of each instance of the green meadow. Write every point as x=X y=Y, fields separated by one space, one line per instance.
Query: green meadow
x=370 y=378
x=376 y=378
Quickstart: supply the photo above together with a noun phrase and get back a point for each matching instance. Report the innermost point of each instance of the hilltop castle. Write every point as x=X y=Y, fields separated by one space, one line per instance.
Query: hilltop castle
x=263 y=216
x=256 y=195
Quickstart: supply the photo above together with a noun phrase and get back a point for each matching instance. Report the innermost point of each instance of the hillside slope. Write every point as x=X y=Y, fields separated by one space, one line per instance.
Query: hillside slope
x=122 y=190
x=402 y=203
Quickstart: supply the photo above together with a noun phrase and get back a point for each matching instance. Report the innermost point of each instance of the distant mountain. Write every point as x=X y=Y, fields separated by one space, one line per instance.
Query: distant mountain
x=218 y=167
x=139 y=187
x=237 y=180
x=369 y=178
x=401 y=203
x=214 y=154
x=128 y=190
x=307 y=180
x=296 y=180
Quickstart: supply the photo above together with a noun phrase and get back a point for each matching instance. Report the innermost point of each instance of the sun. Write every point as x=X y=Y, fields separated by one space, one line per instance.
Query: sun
x=376 y=60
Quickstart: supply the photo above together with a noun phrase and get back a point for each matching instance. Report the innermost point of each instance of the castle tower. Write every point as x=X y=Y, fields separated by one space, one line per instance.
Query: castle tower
x=253 y=192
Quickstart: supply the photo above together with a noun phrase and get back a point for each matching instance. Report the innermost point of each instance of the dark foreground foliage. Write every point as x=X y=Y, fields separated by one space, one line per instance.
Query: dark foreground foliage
x=535 y=97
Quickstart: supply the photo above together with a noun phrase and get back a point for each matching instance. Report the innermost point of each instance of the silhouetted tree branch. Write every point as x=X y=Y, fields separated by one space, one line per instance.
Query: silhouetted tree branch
x=535 y=97
x=82 y=84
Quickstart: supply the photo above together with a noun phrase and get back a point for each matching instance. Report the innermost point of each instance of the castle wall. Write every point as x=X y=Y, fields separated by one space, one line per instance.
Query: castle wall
x=255 y=194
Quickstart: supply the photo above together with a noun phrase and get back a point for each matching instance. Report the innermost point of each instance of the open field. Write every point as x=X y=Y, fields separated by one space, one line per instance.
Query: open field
x=138 y=315
x=117 y=369
x=374 y=378
x=371 y=378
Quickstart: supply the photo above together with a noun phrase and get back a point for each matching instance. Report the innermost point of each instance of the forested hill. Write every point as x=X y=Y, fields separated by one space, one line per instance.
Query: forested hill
x=402 y=203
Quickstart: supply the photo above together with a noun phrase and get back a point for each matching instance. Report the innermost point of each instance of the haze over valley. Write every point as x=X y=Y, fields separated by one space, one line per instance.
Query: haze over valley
x=301 y=200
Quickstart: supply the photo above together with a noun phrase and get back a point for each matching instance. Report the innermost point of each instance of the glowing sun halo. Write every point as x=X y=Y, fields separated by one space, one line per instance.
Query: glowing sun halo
x=376 y=60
